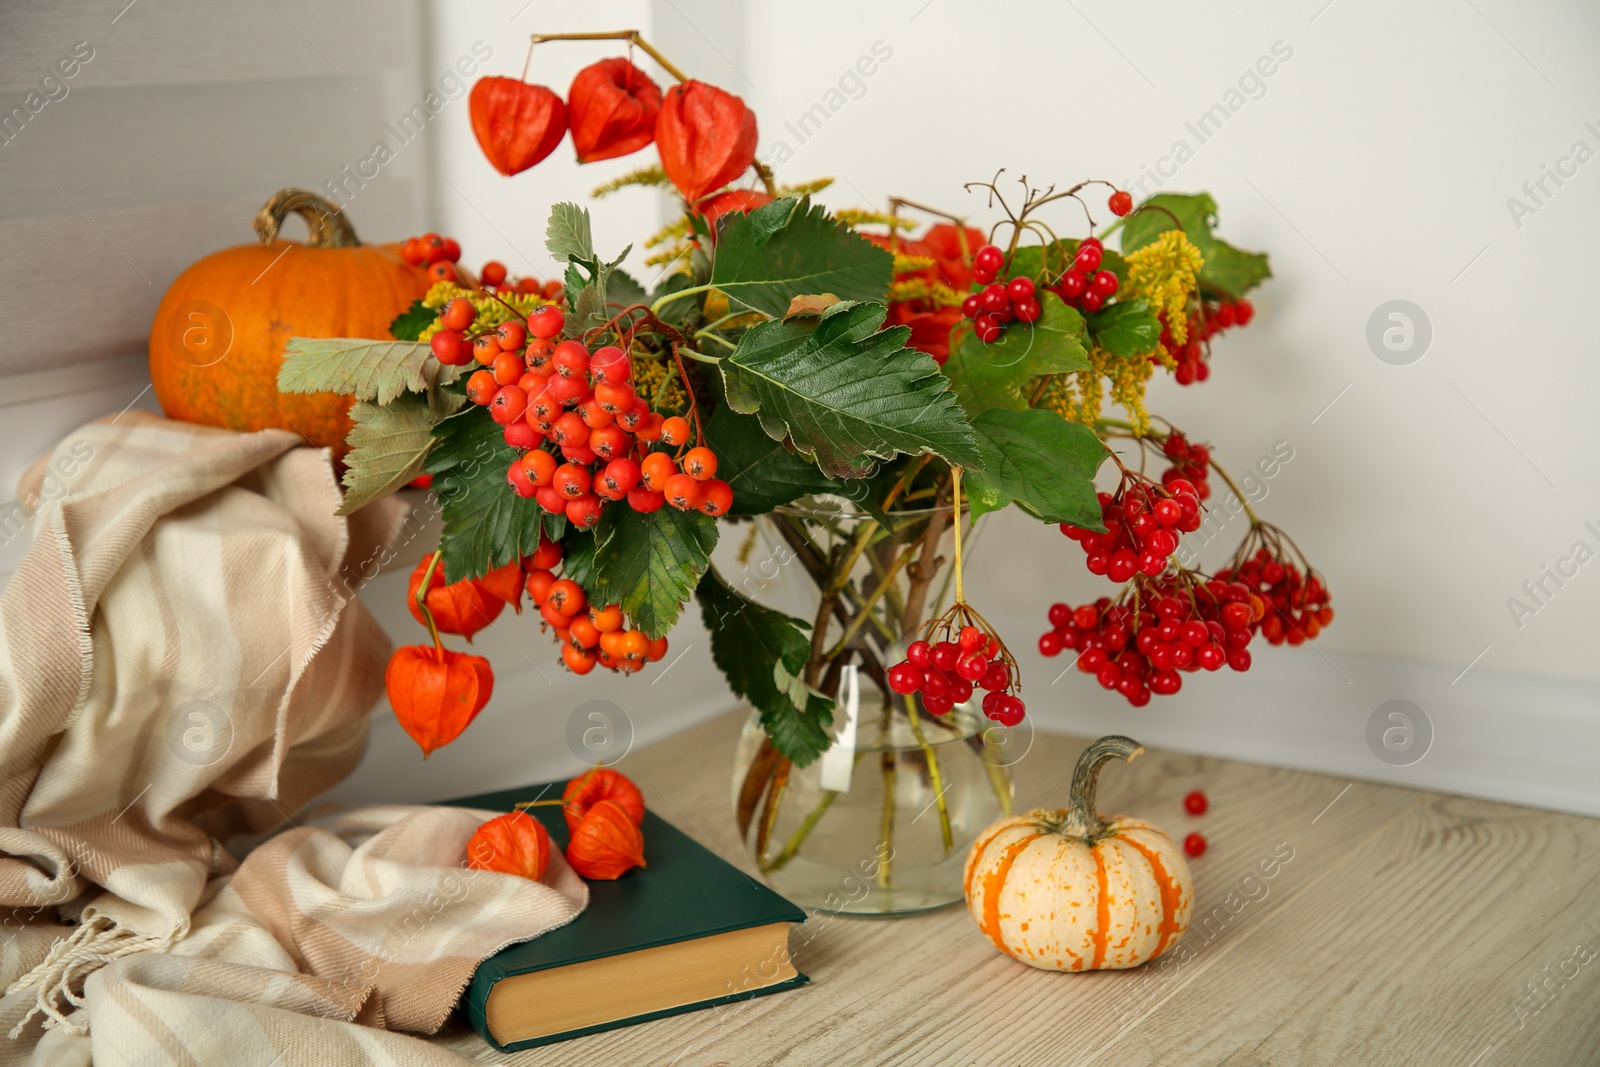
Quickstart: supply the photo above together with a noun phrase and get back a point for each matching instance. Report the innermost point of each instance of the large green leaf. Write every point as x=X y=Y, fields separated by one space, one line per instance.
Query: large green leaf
x=486 y=524
x=650 y=562
x=1001 y=375
x=755 y=646
x=846 y=393
x=1126 y=328
x=793 y=247
x=763 y=473
x=364 y=369
x=1039 y=460
x=1227 y=268
x=387 y=446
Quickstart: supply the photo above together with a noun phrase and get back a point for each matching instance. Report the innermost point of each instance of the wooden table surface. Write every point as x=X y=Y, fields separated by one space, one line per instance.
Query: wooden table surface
x=1404 y=928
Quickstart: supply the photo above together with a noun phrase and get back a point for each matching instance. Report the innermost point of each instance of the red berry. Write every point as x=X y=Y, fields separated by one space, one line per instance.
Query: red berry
x=645 y=500
x=519 y=480
x=449 y=349
x=996 y=677
x=570 y=480
x=610 y=365
x=481 y=387
x=1088 y=258
x=540 y=467
x=1103 y=282
x=458 y=314
x=1196 y=803
x=510 y=336
x=675 y=431
x=546 y=322
x=1121 y=203
x=918 y=653
x=621 y=476
x=1194 y=844
x=1092 y=301
x=569 y=429
x=988 y=260
x=584 y=512
x=1073 y=285
x=509 y=404
x=571 y=360
x=521 y=436
x=1020 y=289
x=904 y=678
x=682 y=492
x=716 y=497
x=493 y=273
x=699 y=463
x=1050 y=644
x=971 y=306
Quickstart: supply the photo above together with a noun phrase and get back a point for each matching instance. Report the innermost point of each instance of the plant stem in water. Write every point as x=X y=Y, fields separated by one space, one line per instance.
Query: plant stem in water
x=934 y=777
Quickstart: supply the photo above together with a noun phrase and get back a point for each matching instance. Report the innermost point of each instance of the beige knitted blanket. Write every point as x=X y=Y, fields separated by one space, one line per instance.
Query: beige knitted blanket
x=182 y=660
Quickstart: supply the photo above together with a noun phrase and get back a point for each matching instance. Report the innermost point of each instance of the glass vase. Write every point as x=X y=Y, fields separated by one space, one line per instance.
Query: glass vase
x=881 y=824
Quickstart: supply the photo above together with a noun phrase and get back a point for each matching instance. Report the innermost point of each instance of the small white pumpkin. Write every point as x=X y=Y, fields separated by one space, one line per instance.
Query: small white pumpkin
x=1066 y=890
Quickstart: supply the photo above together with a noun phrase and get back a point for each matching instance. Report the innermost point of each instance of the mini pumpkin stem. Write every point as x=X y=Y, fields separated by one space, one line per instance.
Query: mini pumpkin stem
x=329 y=226
x=1082 y=817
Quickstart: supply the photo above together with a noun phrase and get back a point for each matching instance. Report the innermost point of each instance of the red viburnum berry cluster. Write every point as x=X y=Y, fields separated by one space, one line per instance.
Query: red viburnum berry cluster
x=1142 y=643
x=1142 y=521
x=589 y=635
x=560 y=394
x=1083 y=285
x=1297 y=600
x=1190 y=463
x=945 y=673
x=1192 y=357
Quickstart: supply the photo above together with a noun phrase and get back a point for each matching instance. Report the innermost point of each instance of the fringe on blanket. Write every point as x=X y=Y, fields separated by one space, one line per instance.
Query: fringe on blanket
x=95 y=943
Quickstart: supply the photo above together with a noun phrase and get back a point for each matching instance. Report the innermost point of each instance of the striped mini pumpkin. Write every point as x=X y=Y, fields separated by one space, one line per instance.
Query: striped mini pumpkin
x=1069 y=891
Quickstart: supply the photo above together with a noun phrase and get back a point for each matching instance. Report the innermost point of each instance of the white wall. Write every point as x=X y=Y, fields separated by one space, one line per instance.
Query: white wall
x=1375 y=165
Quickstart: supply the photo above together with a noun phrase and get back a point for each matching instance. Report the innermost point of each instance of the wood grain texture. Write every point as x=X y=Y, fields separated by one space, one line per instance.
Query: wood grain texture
x=1365 y=924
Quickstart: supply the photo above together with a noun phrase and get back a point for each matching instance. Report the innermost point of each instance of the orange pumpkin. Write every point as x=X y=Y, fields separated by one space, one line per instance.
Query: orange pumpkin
x=1069 y=891
x=219 y=335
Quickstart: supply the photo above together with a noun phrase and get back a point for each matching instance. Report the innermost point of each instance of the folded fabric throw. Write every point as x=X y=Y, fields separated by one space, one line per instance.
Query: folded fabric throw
x=182 y=659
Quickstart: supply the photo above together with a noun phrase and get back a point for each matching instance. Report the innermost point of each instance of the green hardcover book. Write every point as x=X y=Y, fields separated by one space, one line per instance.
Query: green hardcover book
x=688 y=931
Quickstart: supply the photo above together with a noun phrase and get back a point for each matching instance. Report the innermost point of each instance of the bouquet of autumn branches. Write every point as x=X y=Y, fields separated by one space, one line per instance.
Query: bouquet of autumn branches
x=589 y=439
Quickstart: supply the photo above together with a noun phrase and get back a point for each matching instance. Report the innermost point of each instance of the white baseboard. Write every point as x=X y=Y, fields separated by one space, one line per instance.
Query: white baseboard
x=1518 y=739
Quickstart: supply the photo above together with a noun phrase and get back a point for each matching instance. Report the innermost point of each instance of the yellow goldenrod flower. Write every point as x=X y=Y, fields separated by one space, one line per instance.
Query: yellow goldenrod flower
x=1164 y=273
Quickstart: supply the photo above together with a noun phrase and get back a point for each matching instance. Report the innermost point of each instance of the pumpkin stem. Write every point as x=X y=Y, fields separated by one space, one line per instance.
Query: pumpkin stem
x=1082 y=817
x=329 y=226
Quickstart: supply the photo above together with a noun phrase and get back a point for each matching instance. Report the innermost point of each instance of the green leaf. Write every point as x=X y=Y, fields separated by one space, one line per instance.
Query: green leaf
x=568 y=235
x=1039 y=460
x=650 y=562
x=486 y=525
x=763 y=473
x=1126 y=328
x=846 y=393
x=1001 y=375
x=762 y=653
x=1227 y=268
x=622 y=288
x=409 y=324
x=577 y=557
x=387 y=446
x=364 y=369
x=792 y=247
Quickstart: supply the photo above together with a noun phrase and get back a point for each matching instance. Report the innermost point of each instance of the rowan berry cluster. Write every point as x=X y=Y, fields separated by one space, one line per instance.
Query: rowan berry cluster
x=442 y=256
x=590 y=635
x=549 y=392
x=946 y=671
